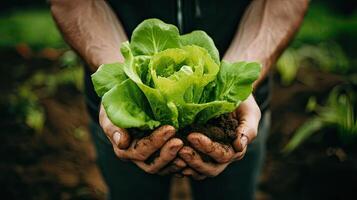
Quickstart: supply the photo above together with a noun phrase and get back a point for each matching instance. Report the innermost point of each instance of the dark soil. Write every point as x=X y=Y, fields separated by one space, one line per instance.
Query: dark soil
x=221 y=129
x=318 y=168
x=57 y=163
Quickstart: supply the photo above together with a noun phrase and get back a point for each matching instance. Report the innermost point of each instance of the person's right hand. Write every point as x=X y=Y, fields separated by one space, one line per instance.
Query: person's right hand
x=138 y=151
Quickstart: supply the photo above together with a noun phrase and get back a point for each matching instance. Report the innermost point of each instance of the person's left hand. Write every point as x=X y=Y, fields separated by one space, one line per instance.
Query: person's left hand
x=248 y=115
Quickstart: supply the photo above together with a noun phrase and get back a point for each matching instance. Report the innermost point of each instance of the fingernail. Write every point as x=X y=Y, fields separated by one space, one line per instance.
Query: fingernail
x=168 y=134
x=116 y=137
x=244 y=141
x=174 y=149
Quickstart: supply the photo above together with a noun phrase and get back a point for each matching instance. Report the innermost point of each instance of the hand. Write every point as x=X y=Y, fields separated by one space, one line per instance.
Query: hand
x=138 y=151
x=248 y=116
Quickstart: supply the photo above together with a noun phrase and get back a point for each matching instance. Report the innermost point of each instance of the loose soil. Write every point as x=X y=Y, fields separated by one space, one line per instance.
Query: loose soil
x=221 y=129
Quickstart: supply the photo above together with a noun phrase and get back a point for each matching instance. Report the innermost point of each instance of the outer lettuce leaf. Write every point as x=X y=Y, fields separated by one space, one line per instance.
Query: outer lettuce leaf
x=152 y=36
x=234 y=81
x=200 y=38
x=215 y=109
x=200 y=113
x=108 y=76
x=233 y=85
x=126 y=106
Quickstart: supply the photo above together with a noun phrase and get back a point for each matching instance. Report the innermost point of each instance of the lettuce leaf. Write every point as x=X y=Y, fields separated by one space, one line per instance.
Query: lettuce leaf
x=108 y=76
x=127 y=107
x=153 y=36
x=174 y=79
x=201 y=39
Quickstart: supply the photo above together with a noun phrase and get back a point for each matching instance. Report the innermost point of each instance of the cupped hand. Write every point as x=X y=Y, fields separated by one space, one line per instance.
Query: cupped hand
x=138 y=151
x=248 y=115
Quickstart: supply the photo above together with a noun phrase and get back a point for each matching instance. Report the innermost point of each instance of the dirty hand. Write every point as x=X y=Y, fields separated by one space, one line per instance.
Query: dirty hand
x=248 y=116
x=138 y=151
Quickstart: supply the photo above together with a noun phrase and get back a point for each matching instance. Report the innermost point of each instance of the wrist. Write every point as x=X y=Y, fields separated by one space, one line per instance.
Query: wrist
x=248 y=56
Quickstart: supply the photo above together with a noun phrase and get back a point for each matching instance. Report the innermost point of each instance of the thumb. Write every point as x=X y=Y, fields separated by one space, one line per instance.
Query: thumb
x=245 y=135
x=119 y=137
x=248 y=115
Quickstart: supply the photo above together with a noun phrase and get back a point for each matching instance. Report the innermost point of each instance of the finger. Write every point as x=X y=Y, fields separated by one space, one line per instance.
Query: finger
x=245 y=135
x=169 y=170
x=177 y=165
x=240 y=155
x=190 y=172
x=167 y=154
x=148 y=145
x=194 y=160
x=118 y=137
x=219 y=152
x=142 y=149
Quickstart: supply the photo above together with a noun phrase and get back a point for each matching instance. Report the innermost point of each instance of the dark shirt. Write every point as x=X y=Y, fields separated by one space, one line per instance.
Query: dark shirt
x=219 y=19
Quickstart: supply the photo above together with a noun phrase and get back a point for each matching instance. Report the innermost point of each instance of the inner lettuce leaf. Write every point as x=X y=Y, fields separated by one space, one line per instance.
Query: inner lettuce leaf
x=173 y=79
x=200 y=38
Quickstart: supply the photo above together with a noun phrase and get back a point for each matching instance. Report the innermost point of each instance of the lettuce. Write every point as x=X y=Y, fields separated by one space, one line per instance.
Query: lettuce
x=168 y=78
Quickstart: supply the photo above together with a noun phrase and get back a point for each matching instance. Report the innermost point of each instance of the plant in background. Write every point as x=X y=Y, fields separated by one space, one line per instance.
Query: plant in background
x=168 y=78
x=287 y=66
x=338 y=114
x=25 y=103
x=327 y=57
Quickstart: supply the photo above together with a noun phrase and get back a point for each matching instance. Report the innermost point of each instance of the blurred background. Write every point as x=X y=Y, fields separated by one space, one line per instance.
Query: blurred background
x=46 y=152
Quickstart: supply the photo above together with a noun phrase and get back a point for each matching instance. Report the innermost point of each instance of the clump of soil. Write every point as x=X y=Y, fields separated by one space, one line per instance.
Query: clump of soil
x=221 y=129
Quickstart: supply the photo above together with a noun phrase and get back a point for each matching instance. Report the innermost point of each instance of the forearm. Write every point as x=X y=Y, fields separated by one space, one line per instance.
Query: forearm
x=265 y=30
x=91 y=28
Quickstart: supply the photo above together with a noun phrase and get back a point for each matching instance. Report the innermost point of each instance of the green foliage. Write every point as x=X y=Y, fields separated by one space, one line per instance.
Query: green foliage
x=304 y=132
x=323 y=42
x=328 y=57
x=287 y=66
x=338 y=114
x=32 y=27
x=26 y=105
x=171 y=79
x=323 y=24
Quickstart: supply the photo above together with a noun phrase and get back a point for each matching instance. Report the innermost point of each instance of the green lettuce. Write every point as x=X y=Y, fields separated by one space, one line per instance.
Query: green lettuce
x=173 y=79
